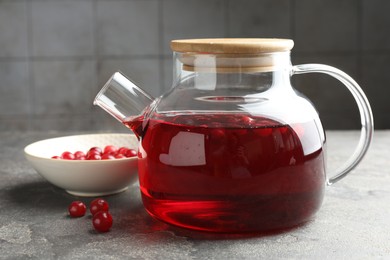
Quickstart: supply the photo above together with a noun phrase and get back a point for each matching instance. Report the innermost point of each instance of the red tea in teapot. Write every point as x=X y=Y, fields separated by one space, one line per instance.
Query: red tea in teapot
x=230 y=172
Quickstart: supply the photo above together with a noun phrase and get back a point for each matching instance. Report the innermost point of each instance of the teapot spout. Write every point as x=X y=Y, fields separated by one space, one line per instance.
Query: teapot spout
x=122 y=99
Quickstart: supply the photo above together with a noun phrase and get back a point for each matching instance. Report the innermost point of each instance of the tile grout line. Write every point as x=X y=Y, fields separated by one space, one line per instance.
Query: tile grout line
x=292 y=27
x=95 y=58
x=359 y=39
x=292 y=19
x=80 y=57
x=227 y=18
x=165 y=56
x=31 y=79
x=161 y=59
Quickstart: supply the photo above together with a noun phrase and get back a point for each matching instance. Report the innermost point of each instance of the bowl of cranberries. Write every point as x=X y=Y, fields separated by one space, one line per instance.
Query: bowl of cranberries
x=87 y=165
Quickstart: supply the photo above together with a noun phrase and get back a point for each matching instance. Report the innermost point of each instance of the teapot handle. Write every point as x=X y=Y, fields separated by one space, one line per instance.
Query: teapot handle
x=366 y=117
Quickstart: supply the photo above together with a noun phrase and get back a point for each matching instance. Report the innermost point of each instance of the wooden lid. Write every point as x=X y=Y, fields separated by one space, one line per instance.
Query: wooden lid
x=232 y=45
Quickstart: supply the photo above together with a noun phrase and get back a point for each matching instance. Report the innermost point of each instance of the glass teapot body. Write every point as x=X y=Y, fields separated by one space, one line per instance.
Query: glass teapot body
x=232 y=149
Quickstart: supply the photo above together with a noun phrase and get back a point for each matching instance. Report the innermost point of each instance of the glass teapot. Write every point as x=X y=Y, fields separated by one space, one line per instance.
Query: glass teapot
x=232 y=147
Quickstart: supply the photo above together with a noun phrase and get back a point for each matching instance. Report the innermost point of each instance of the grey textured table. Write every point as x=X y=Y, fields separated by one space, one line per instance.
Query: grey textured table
x=353 y=223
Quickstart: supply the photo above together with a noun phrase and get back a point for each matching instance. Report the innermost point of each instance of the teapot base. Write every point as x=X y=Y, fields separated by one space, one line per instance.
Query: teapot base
x=257 y=214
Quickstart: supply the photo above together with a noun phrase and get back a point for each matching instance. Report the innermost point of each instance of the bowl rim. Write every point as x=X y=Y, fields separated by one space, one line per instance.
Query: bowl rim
x=27 y=149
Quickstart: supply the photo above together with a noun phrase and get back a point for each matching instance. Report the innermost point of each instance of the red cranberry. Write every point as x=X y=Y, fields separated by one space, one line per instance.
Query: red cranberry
x=107 y=156
x=93 y=156
x=67 y=156
x=110 y=149
x=122 y=150
x=98 y=205
x=247 y=120
x=77 y=209
x=79 y=155
x=102 y=221
x=218 y=136
x=96 y=150
x=119 y=156
x=265 y=132
x=131 y=153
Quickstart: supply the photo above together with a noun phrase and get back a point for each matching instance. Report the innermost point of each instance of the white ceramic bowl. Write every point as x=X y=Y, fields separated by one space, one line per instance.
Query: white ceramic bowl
x=84 y=177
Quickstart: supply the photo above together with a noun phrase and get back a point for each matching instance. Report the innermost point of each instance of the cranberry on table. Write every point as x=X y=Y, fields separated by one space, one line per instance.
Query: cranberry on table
x=101 y=218
x=77 y=209
x=98 y=205
x=102 y=221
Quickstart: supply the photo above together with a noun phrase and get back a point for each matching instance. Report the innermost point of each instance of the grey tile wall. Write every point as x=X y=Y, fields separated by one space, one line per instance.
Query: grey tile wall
x=13 y=41
x=192 y=19
x=375 y=22
x=260 y=18
x=330 y=25
x=56 y=54
x=61 y=28
x=127 y=27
